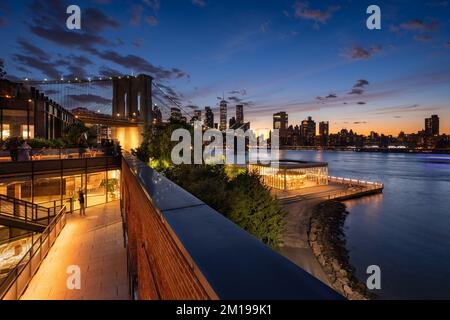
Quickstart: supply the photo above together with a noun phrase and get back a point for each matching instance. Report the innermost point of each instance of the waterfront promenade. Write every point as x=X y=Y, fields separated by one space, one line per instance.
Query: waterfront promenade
x=95 y=244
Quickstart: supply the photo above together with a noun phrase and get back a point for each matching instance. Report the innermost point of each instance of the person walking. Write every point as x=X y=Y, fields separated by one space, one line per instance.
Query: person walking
x=81 y=200
x=24 y=152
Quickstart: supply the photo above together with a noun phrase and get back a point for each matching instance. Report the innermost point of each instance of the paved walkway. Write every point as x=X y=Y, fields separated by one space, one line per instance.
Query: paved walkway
x=95 y=244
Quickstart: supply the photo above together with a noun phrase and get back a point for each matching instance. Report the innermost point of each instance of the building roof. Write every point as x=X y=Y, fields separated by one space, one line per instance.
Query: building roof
x=294 y=164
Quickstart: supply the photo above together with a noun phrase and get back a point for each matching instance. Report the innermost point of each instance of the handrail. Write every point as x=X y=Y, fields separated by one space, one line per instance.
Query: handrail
x=16 y=203
x=14 y=284
x=356 y=181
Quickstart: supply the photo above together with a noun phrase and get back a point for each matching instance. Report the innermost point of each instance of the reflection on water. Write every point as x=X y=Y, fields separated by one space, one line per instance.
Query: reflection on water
x=406 y=230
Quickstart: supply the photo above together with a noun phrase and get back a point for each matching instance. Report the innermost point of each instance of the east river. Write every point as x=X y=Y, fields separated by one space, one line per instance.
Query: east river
x=406 y=230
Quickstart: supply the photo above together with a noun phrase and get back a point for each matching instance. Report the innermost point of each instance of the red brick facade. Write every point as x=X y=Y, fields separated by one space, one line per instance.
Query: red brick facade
x=161 y=265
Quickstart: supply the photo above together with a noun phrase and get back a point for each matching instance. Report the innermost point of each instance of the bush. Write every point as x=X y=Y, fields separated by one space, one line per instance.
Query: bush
x=255 y=210
x=244 y=199
x=45 y=143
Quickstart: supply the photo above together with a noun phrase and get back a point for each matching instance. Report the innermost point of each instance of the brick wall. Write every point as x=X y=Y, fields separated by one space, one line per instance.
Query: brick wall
x=162 y=266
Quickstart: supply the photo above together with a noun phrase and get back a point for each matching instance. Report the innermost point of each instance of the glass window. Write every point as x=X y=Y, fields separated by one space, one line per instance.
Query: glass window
x=6 y=132
x=71 y=186
x=113 y=186
x=47 y=190
x=96 y=188
x=13 y=121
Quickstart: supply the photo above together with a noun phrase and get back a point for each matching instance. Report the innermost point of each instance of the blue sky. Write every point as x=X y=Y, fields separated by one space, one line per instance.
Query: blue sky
x=310 y=59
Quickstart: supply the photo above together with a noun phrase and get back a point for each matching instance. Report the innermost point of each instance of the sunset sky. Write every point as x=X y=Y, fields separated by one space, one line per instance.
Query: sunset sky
x=309 y=59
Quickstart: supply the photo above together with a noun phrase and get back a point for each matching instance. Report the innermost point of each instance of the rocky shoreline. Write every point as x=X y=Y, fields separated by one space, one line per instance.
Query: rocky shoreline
x=327 y=241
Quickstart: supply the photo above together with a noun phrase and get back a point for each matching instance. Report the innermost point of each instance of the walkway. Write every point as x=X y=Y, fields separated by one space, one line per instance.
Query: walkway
x=95 y=244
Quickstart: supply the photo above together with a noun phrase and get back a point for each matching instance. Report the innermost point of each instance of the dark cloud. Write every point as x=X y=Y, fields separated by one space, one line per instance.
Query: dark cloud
x=360 y=53
x=241 y=92
x=361 y=102
x=46 y=67
x=235 y=99
x=419 y=25
x=136 y=14
x=357 y=91
x=138 y=42
x=169 y=93
x=423 y=37
x=360 y=122
x=151 y=20
x=138 y=64
x=96 y=21
x=331 y=96
x=89 y=98
x=152 y=4
x=48 y=22
x=198 y=3
x=31 y=49
x=361 y=83
x=303 y=11
x=109 y=72
x=447 y=44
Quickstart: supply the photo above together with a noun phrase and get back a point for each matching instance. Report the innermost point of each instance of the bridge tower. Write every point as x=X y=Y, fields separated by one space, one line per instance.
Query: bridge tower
x=132 y=98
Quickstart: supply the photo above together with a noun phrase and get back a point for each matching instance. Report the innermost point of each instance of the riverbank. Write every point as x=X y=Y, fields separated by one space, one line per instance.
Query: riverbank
x=327 y=241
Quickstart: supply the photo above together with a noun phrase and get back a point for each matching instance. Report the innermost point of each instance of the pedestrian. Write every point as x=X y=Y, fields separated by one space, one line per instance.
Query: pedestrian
x=24 y=152
x=81 y=200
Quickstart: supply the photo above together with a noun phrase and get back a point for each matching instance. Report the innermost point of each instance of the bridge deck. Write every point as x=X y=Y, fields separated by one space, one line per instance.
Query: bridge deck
x=95 y=244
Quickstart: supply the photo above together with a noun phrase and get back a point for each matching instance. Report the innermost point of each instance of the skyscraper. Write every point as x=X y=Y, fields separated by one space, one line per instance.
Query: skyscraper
x=175 y=114
x=198 y=115
x=239 y=114
x=432 y=125
x=280 y=122
x=209 y=118
x=223 y=116
x=324 y=132
x=324 y=129
x=308 y=130
x=232 y=122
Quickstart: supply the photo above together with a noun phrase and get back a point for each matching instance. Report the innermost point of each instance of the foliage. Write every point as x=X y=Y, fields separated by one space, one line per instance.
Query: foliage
x=208 y=183
x=2 y=69
x=157 y=145
x=254 y=208
x=243 y=198
x=45 y=143
x=233 y=191
x=74 y=131
x=11 y=142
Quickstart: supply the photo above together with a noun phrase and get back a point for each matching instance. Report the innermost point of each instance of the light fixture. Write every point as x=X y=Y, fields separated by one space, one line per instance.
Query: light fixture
x=29 y=100
x=118 y=114
x=26 y=79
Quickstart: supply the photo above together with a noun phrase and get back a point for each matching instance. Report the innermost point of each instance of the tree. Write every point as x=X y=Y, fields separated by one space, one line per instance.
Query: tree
x=254 y=209
x=2 y=69
x=157 y=146
x=73 y=132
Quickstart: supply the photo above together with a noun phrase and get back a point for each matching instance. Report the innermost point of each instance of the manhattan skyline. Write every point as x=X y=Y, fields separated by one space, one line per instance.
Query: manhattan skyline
x=315 y=59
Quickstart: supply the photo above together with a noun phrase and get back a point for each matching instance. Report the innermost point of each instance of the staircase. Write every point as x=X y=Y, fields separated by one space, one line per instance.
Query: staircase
x=24 y=215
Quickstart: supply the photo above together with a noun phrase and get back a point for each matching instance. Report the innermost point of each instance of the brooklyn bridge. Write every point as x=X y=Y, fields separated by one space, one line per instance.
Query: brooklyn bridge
x=119 y=107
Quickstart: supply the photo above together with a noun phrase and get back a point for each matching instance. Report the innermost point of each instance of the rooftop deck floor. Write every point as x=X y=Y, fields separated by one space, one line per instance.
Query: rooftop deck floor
x=95 y=244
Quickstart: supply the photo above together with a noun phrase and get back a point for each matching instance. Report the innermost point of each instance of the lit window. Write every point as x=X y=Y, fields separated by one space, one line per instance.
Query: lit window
x=6 y=131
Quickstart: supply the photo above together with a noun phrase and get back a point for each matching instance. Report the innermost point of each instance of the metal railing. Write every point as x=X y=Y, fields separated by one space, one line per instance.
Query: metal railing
x=357 y=182
x=356 y=187
x=37 y=154
x=17 y=280
x=24 y=210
